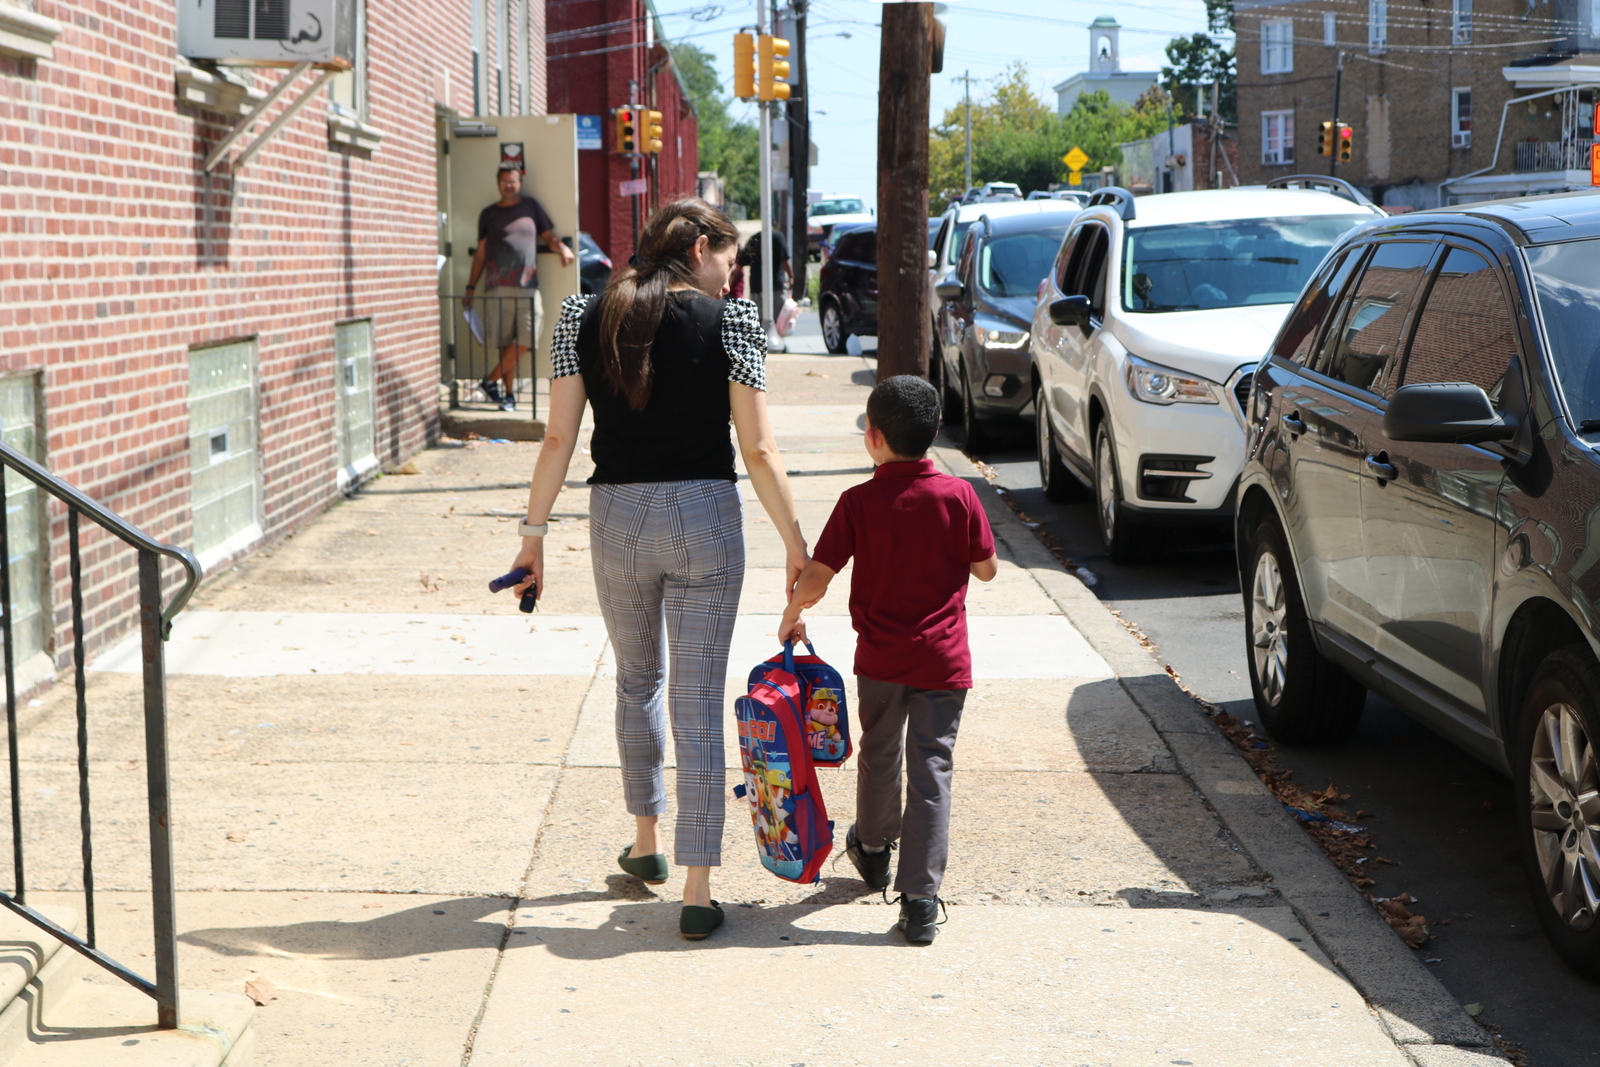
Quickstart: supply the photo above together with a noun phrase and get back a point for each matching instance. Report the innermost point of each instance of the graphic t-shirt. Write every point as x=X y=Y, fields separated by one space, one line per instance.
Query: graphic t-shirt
x=513 y=233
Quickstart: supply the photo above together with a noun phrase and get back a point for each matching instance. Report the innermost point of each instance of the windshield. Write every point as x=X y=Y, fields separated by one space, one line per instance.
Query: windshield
x=1203 y=265
x=1014 y=264
x=839 y=207
x=1567 y=278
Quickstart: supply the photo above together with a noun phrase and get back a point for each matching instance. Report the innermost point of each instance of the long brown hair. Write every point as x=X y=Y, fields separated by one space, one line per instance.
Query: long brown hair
x=632 y=306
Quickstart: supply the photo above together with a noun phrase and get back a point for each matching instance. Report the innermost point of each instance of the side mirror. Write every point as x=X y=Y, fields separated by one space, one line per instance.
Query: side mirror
x=1070 y=310
x=933 y=258
x=1450 y=412
x=950 y=289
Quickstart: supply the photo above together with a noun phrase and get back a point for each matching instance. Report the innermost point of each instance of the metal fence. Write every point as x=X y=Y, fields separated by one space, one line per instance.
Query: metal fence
x=1536 y=156
x=155 y=624
x=470 y=349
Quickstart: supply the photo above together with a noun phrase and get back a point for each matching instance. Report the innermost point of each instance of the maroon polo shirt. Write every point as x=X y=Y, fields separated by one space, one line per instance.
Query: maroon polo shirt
x=914 y=533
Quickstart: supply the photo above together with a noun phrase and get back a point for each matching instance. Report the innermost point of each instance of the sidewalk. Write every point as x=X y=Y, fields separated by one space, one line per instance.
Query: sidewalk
x=397 y=801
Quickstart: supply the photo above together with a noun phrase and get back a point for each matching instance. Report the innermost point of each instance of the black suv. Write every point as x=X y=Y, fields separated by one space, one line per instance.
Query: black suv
x=984 y=317
x=1419 y=512
x=847 y=292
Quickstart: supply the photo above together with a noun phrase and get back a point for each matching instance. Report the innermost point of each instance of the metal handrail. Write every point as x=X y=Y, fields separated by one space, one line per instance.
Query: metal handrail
x=463 y=358
x=155 y=624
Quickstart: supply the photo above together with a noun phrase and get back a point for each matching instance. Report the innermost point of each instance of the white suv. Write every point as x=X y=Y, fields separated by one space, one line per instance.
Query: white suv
x=1154 y=311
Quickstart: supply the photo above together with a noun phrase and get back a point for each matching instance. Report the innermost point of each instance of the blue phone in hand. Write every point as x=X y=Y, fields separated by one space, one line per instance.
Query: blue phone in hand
x=530 y=599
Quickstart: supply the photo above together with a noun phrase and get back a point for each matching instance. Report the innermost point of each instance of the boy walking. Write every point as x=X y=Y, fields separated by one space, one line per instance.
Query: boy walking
x=916 y=536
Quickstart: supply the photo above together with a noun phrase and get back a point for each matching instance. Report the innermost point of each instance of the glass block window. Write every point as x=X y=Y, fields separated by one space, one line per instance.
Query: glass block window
x=353 y=366
x=25 y=525
x=222 y=444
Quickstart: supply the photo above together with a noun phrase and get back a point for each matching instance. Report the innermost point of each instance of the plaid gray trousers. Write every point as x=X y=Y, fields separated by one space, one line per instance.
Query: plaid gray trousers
x=672 y=553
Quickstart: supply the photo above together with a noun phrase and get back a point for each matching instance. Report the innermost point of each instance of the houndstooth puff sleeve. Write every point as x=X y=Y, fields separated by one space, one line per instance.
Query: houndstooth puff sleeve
x=564 y=345
x=746 y=343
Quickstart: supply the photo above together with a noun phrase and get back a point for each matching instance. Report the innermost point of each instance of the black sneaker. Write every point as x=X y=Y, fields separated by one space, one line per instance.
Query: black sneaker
x=873 y=867
x=917 y=918
x=508 y=402
x=491 y=389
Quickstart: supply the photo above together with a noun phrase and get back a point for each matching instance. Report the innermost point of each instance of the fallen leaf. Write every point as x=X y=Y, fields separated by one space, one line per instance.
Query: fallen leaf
x=1474 y=1009
x=408 y=467
x=235 y=835
x=262 y=763
x=372 y=905
x=261 y=990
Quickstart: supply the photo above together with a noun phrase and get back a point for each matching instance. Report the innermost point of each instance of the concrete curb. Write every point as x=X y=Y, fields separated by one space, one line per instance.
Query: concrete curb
x=1421 y=1016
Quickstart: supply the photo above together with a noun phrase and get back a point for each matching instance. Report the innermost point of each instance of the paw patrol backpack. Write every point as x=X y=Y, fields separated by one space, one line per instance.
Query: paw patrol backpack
x=793 y=832
x=821 y=699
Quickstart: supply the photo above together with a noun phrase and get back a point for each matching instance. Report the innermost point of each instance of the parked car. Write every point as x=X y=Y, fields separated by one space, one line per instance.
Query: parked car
x=833 y=211
x=1143 y=332
x=847 y=292
x=594 y=266
x=953 y=227
x=1420 y=513
x=984 y=317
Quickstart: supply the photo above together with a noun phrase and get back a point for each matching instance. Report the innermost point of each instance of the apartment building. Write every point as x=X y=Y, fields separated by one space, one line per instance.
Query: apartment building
x=1448 y=101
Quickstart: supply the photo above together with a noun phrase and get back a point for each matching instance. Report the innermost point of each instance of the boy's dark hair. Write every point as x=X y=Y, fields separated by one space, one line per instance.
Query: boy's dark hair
x=905 y=409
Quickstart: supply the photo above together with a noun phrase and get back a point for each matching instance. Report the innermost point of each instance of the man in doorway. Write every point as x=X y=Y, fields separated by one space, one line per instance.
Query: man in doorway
x=510 y=231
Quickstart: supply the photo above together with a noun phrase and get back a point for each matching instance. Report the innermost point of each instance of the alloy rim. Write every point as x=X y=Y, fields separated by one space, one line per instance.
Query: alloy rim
x=830 y=327
x=1564 y=790
x=1105 y=481
x=1268 y=643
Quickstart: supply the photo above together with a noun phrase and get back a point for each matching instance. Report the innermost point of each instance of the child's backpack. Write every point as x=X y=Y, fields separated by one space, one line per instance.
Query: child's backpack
x=822 y=699
x=793 y=832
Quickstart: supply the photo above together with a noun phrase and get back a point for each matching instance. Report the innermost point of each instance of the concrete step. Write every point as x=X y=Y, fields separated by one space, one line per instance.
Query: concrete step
x=62 y=1010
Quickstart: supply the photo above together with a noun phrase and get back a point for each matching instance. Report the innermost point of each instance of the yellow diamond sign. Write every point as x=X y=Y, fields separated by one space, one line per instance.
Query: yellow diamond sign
x=1075 y=159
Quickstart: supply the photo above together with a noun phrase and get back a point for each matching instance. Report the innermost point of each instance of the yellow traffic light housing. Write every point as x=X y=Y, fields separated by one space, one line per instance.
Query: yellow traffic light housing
x=744 y=66
x=1325 y=140
x=772 y=73
x=1346 y=143
x=627 y=131
x=652 y=131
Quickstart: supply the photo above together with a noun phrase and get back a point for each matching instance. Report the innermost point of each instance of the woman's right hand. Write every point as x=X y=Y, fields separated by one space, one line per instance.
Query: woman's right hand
x=531 y=559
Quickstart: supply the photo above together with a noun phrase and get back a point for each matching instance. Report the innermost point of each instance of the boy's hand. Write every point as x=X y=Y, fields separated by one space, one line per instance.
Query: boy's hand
x=791 y=629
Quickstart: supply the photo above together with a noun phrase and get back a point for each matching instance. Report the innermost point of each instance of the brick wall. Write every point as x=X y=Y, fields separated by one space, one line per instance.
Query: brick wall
x=119 y=254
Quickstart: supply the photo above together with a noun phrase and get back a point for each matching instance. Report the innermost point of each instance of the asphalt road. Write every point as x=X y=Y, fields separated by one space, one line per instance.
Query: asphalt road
x=1444 y=818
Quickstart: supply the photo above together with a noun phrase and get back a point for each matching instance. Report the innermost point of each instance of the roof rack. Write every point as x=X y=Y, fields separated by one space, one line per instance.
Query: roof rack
x=1327 y=184
x=1116 y=197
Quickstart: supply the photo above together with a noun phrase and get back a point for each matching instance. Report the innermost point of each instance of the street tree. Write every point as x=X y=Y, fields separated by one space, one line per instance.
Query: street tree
x=728 y=146
x=1196 y=62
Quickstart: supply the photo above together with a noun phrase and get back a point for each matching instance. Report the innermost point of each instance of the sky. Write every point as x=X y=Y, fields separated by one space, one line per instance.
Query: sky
x=983 y=36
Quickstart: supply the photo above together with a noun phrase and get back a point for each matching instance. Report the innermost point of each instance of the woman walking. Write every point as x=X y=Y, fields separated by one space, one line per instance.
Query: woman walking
x=664 y=361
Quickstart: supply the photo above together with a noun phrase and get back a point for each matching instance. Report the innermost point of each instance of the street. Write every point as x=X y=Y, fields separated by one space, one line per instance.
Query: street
x=1441 y=816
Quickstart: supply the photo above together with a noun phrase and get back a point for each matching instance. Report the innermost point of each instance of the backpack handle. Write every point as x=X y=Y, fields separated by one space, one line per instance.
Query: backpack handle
x=788 y=653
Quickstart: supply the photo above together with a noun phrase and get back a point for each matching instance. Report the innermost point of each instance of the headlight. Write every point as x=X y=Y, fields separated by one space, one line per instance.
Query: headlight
x=1155 y=384
x=1003 y=338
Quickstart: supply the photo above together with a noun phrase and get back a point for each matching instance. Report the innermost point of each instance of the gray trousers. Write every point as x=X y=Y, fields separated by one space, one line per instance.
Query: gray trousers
x=668 y=568
x=901 y=725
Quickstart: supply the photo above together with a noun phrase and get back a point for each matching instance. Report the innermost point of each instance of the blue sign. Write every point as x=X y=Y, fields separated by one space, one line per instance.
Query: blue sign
x=589 y=132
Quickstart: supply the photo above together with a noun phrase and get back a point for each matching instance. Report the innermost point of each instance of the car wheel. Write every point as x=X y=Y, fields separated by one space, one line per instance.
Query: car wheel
x=978 y=438
x=1054 y=478
x=1558 y=802
x=1301 y=697
x=1127 y=539
x=834 y=335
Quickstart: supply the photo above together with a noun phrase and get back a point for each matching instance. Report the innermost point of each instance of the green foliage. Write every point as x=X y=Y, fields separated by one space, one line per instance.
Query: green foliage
x=1196 y=62
x=1017 y=137
x=727 y=146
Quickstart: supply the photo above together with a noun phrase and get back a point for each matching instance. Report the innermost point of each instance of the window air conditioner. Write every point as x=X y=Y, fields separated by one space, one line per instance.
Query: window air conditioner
x=267 y=32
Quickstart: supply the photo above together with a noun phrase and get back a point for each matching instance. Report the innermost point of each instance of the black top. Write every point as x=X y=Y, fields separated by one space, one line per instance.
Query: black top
x=512 y=257
x=750 y=256
x=682 y=433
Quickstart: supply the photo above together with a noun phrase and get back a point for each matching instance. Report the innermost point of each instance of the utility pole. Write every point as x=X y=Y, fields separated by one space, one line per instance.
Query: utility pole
x=763 y=28
x=966 y=77
x=799 y=114
x=1338 y=84
x=904 y=93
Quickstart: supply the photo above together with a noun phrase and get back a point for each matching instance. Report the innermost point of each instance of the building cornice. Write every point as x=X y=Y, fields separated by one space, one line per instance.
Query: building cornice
x=27 y=35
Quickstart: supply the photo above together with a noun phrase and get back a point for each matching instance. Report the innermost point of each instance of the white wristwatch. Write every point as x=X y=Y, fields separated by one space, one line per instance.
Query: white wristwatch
x=527 y=529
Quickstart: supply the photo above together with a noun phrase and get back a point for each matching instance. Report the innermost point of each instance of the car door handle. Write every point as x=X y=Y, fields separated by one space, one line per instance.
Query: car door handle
x=1294 y=423
x=1380 y=468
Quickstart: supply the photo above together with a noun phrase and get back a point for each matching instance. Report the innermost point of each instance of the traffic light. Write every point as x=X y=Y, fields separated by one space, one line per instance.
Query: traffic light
x=627 y=131
x=1346 y=143
x=744 y=66
x=1325 y=140
x=651 y=120
x=773 y=73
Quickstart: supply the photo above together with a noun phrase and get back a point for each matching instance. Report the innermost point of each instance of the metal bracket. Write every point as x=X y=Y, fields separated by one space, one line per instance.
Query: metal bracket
x=243 y=126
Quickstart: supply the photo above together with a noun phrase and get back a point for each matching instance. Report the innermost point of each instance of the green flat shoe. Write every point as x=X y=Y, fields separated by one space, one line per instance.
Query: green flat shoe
x=651 y=870
x=696 y=923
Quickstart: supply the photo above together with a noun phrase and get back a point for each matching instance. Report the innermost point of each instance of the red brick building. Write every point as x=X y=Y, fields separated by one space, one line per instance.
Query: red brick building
x=602 y=54
x=216 y=354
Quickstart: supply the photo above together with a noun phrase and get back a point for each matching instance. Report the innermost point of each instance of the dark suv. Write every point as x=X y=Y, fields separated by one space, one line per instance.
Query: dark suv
x=847 y=291
x=1419 y=512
